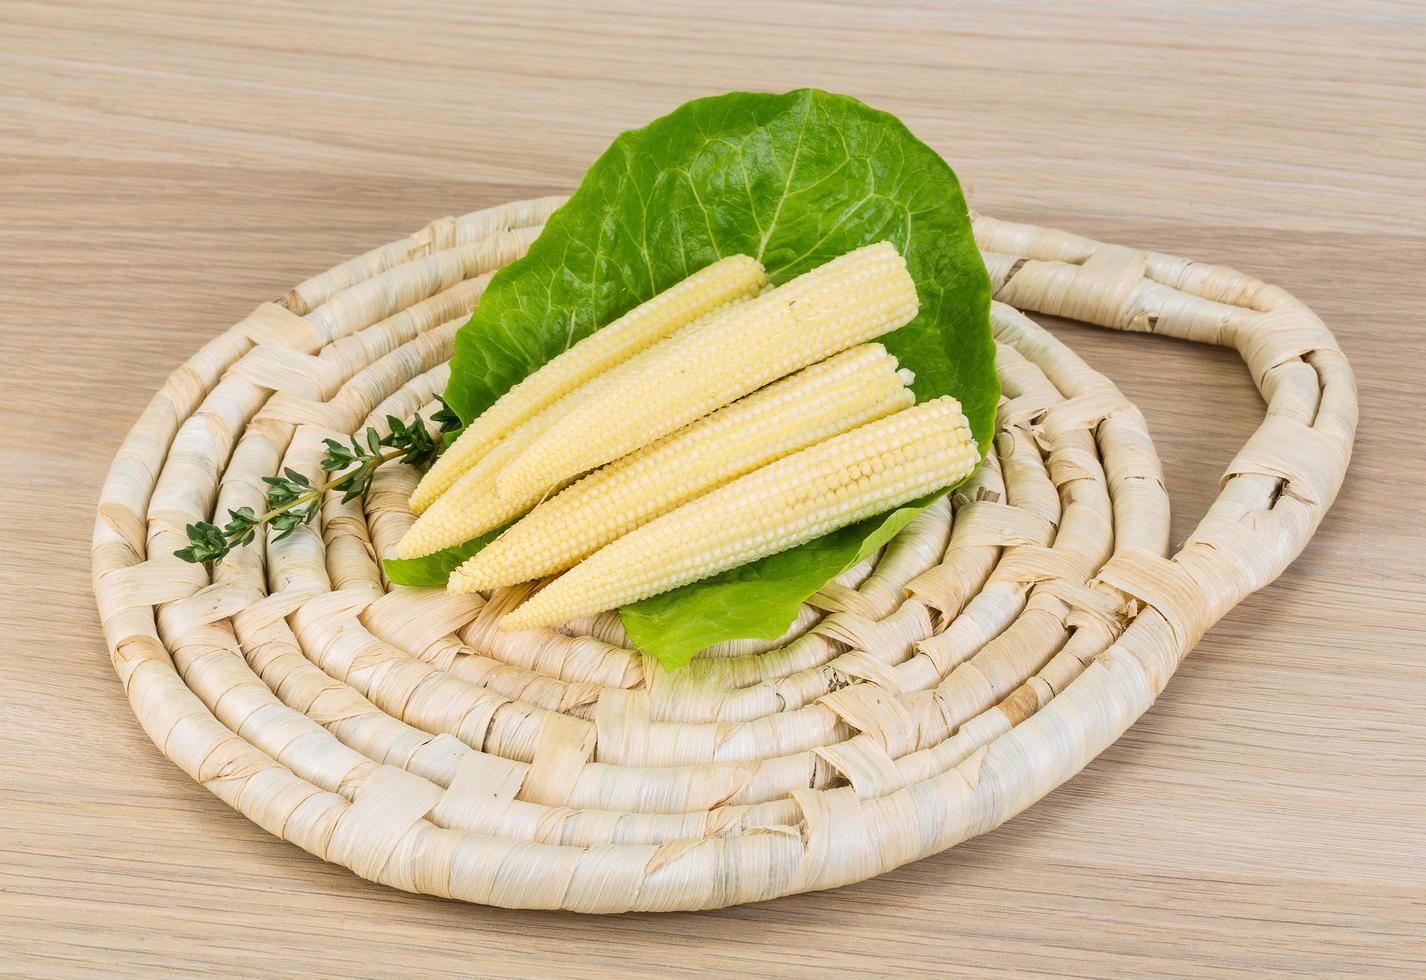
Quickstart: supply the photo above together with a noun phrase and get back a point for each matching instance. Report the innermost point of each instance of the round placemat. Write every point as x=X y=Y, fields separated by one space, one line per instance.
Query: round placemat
x=1005 y=638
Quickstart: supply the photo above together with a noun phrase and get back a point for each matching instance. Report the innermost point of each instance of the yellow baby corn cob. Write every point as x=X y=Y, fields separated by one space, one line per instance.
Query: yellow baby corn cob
x=849 y=300
x=811 y=406
x=735 y=277
x=847 y=478
x=470 y=507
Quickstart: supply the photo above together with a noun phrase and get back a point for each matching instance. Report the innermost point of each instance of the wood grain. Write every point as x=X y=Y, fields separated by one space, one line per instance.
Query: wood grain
x=164 y=167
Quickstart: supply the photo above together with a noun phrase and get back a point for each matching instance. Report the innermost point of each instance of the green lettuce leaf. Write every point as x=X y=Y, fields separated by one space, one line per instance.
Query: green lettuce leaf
x=793 y=180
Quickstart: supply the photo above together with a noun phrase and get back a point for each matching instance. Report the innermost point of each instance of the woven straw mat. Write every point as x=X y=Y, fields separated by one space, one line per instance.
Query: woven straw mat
x=996 y=646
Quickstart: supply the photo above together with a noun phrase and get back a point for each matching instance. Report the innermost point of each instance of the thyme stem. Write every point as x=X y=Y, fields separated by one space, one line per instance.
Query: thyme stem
x=293 y=501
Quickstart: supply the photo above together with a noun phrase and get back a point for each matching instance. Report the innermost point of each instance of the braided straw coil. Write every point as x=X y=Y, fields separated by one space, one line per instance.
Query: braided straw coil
x=996 y=646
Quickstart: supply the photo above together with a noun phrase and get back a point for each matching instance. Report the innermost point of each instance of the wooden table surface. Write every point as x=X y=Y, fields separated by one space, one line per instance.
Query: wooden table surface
x=164 y=167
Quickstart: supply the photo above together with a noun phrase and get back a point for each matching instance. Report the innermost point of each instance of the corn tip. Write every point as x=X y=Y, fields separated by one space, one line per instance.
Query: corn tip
x=512 y=622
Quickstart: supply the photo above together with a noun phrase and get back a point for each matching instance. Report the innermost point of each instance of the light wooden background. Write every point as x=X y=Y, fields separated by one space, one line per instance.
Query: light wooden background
x=164 y=167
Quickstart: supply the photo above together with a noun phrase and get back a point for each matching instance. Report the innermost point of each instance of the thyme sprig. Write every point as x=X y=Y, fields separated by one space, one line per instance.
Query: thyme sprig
x=293 y=500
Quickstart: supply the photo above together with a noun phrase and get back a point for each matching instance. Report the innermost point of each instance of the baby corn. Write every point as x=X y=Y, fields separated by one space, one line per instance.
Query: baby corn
x=817 y=403
x=470 y=507
x=726 y=280
x=849 y=300
x=852 y=476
